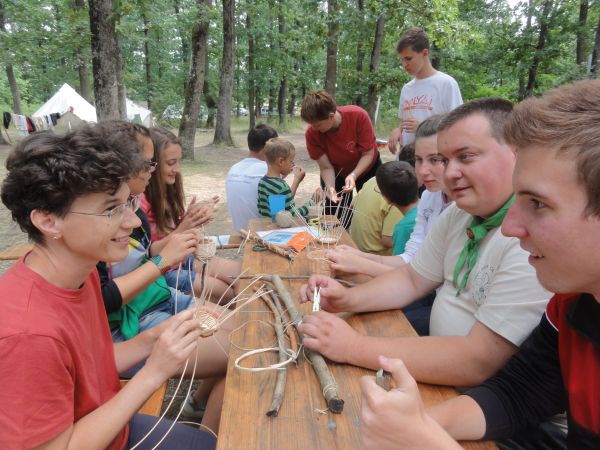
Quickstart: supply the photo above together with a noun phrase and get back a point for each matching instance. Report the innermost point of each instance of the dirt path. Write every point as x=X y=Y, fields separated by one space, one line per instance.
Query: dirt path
x=203 y=178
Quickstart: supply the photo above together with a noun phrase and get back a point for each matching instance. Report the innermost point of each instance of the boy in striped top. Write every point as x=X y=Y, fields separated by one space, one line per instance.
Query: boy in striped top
x=280 y=156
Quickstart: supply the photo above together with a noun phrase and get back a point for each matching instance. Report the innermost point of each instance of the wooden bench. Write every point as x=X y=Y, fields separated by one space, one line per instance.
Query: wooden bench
x=15 y=251
x=154 y=404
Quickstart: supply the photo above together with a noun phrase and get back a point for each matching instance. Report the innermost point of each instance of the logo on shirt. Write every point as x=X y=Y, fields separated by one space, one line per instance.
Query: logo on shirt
x=351 y=146
x=481 y=283
x=418 y=102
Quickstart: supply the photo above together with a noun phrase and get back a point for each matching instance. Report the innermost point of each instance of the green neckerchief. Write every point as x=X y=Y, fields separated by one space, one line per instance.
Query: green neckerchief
x=477 y=230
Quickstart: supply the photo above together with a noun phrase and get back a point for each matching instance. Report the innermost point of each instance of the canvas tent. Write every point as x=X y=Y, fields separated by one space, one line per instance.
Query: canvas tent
x=144 y=116
x=65 y=99
x=74 y=108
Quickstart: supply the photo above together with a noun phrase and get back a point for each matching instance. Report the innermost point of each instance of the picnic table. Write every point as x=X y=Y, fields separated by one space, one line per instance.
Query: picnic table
x=303 y=422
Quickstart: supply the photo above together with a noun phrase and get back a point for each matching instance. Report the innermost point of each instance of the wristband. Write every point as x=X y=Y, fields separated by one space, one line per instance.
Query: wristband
x=353 y=174
x=160 y=263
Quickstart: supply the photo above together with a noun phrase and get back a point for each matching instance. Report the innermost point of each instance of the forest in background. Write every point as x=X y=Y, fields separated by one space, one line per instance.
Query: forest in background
x=207 y=61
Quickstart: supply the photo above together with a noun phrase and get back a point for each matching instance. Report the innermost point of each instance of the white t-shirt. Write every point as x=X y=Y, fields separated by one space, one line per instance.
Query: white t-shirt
x=422 y=98
x=502 y=291
x=241 y=186
x=431 y=205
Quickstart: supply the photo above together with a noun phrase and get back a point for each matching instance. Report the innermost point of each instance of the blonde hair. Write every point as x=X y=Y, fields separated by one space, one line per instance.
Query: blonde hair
x=278 y=148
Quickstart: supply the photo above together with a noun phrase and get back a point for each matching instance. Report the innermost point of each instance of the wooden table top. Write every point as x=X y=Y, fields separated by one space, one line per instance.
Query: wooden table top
x=301 y=423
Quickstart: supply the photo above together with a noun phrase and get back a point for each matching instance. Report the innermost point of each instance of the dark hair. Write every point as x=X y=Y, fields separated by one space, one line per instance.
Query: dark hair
x=48 y=172
x=259 y=135
x=397 y=182
x=407 y=154
x=123 y=133
x=317 y=105
x=278 y=148
x=429 y=127
x=167 y=202
x=495 y=109
x=565 y=119
x=416 y=38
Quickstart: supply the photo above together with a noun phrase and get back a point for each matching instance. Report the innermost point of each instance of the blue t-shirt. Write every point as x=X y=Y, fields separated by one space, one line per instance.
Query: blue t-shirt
x=403 y=230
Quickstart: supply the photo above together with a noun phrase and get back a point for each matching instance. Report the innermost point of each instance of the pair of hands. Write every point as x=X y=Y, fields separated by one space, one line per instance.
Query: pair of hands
x=349 y=185
x=409 y=125
x=324 y=332
x=175 y=341
x=394 y=419
x=198 y=213
x=345 y=258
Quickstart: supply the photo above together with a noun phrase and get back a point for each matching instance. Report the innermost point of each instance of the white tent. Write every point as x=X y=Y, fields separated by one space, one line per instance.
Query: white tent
x=67 y=99
x=133 y=109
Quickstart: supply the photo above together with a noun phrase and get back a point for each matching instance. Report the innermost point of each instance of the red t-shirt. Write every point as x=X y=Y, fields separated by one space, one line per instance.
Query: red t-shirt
x=57 y=362
x=344 y=146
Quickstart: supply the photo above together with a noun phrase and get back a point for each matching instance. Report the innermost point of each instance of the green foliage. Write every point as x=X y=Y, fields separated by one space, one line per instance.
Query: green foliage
x=485 y=44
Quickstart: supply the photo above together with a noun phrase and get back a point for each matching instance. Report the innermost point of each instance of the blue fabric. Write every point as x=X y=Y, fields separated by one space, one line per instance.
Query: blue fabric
x=402 y=231
x=181 y=437
x=181 y=278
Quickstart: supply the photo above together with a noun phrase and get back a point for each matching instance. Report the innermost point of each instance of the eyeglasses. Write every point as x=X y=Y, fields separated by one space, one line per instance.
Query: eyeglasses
x=116 y=213
x=149 y=165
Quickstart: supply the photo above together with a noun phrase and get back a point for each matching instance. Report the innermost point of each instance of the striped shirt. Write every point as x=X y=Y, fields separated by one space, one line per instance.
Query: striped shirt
x=268 y=186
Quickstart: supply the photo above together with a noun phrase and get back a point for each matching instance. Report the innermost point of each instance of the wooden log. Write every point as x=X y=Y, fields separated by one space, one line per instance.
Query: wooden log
x=328 y=385
x=293 y=277
x=291 y=330
x=272 y=247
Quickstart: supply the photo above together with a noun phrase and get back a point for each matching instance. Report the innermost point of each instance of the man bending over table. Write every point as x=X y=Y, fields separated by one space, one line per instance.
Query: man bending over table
x=489 y=299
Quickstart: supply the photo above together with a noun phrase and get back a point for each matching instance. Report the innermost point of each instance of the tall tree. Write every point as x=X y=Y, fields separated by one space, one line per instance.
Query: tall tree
x=374 y=65
x=10 y=73
x=596 y=53
x=360 y=53
x=195 y=79
x=582 y=32
x=81 y=49
x=105 y=60
x=251 y=88
x=223 y=123
x=147 y=55
x=332 y=46
x=283 y=81
x=544 y=19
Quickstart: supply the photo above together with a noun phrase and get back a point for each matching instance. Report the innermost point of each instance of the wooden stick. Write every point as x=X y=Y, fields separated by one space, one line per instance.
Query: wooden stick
x=274 y=248
x=279 y=390
x=290 y=331
x=335 y=404
x=294 y=277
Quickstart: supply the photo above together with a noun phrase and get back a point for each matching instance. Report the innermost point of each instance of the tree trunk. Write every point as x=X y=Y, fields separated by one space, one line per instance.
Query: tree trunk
x=105 y=60
x=195 y=80
x=542 y=36
x=210 y=102
x=283 y=81
x=147 y=58
x=81 y=55
x=222 y=126
x=185 y=48
x=360 y=57
x=374 y=65
x=526 y=38
x=332 y=42
x=596 y=53
x=251 y=91
x=581 y=32
x=14 y=89
x=10 y=74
